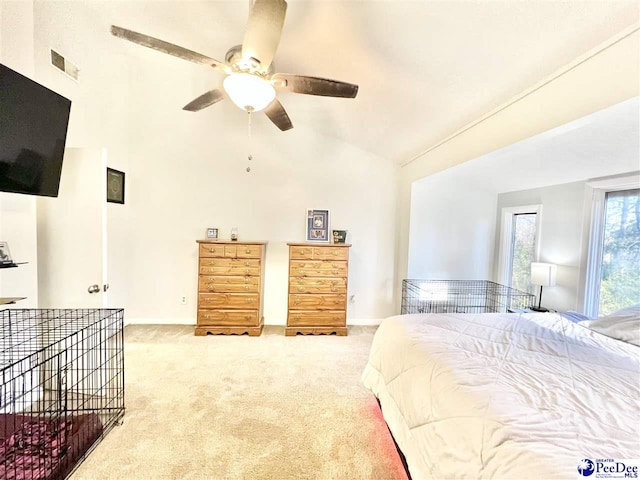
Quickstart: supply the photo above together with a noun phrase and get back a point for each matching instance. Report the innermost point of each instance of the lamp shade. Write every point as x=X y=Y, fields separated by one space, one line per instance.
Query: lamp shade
x=543 y=274
x=249 y=92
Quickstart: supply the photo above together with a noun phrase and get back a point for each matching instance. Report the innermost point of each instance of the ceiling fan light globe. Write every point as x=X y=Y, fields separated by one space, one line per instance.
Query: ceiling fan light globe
x=249 y=92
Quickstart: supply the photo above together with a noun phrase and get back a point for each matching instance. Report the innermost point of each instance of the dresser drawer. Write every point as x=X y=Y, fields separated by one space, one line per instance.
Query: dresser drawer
x=301 y=318
x=230 y=251
x=318 y=253
x=330 y=253
x=304 y=301
x=228 y=284
x=317 y=285
x=230 y=266
x=211 y=250
x=301 y=268
x=230 y=262
x=228 y=317
x=229 y=300
x=249 y=251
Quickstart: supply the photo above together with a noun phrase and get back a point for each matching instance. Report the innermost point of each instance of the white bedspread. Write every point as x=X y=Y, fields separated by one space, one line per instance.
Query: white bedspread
x=504 y=396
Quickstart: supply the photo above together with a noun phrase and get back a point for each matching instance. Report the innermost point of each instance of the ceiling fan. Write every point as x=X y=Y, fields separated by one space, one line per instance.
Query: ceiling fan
x=250 y=82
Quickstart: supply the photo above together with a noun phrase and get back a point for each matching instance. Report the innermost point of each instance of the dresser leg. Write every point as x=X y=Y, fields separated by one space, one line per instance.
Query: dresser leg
x=292 y=331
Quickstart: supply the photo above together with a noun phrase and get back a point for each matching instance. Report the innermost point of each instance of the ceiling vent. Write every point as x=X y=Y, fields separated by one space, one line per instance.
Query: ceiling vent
x=64 y=65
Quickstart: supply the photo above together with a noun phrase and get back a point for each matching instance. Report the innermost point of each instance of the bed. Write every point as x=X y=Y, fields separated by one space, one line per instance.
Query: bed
x=41 y=448
x=504 y=395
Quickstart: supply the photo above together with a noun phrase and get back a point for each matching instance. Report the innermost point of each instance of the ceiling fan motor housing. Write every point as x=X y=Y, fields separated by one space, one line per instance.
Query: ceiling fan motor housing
x=251 y=65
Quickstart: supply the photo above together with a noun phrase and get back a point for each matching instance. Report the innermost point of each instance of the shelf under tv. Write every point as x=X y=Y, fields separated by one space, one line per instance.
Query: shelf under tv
x=10 y=300
x=11 y=265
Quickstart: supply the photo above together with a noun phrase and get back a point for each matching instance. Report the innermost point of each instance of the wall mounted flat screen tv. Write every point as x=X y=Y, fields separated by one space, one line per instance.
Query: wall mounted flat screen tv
x=33 y=132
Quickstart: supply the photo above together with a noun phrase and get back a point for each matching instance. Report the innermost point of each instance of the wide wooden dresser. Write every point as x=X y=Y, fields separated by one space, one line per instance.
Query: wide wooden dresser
x=230 y=287
x=317 y=288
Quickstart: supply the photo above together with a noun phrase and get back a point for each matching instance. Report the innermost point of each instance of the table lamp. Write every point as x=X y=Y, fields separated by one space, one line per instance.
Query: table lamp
x=543 y=274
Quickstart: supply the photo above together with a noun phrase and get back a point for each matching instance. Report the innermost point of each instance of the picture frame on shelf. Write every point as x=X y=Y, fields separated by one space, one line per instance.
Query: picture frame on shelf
x=212 y=233
x=339 y=236
x=317 y=223
x=5 y=254
x=115 y=186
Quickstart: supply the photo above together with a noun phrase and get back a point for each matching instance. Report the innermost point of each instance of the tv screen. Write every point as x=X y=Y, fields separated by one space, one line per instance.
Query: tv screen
x=33 y=132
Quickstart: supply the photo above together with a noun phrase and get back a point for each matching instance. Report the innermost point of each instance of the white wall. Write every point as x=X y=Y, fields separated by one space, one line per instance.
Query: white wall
x=560 y=236
x=601 y=78
x=452 y=229
x=179 y=184
x=17 y=212
x=186 y=172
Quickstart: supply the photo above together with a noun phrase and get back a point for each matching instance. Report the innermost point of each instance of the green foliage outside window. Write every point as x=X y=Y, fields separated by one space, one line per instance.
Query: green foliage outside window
x=524 y=249
x=620 y=274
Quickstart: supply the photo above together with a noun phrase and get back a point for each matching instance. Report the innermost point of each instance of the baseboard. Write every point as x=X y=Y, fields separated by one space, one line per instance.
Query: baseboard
x=364 y=322
x=159 y=321
x=191 y=321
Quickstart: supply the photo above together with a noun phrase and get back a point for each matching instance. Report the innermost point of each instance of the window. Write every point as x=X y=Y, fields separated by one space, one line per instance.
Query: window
x=518 y=245
x=523 y=250
x=611 y=274
x=620 y=264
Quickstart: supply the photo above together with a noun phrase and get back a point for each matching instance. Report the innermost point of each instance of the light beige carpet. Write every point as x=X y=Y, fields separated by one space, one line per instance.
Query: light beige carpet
x=239 y=407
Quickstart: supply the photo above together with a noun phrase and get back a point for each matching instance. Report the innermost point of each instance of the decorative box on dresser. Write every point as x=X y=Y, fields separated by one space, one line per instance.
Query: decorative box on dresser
x=317 y=288
x=230 y=286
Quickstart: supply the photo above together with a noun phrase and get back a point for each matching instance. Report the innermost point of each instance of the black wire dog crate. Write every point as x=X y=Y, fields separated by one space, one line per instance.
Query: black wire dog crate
x=461 y=296
x=61 y=388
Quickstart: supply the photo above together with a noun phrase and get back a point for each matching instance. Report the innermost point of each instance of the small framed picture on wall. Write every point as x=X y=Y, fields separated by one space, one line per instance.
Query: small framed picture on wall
x=115 y=186
x=317 y=225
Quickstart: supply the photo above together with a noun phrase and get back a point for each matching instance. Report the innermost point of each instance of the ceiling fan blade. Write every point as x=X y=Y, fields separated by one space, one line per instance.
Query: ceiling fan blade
x=204 y=100
x=277 y=114
x=263 y=31
x=166 y=47
x=314 y=85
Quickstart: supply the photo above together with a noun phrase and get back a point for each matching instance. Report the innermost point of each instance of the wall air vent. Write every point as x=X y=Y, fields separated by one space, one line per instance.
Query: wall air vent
x=64 y=65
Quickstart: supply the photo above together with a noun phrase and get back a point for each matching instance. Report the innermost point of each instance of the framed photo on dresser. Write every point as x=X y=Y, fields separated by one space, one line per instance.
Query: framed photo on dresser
x=317 y=225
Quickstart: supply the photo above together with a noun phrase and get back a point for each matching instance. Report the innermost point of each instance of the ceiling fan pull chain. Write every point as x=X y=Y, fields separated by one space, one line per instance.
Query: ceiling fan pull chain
x=249 y=156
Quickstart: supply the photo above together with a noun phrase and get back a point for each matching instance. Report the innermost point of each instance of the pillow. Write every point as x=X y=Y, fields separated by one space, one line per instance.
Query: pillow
x=623 y=324
x=574 y=316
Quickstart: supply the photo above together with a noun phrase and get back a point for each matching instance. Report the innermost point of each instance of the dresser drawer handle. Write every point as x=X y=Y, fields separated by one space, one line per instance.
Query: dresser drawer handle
x=301 y=272
x=335 y=272
x=246 y=264
x=246 y=287
x=246 y=270
x=211 y=286
x=250 y=300
x=335 y=251
x=248 y=250
x=247 y=317
x=296 y=301
x=295 y=319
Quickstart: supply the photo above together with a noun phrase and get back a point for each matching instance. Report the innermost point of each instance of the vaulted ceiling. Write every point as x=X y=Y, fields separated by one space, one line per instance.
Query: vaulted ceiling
x=425 y=68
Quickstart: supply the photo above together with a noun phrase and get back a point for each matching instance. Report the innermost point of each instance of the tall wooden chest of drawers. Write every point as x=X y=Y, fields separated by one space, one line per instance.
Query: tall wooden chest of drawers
x=230 y=287
x=317 y=288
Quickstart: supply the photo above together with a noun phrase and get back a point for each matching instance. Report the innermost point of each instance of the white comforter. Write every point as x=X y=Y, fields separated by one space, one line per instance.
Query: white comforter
x=504 y=396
